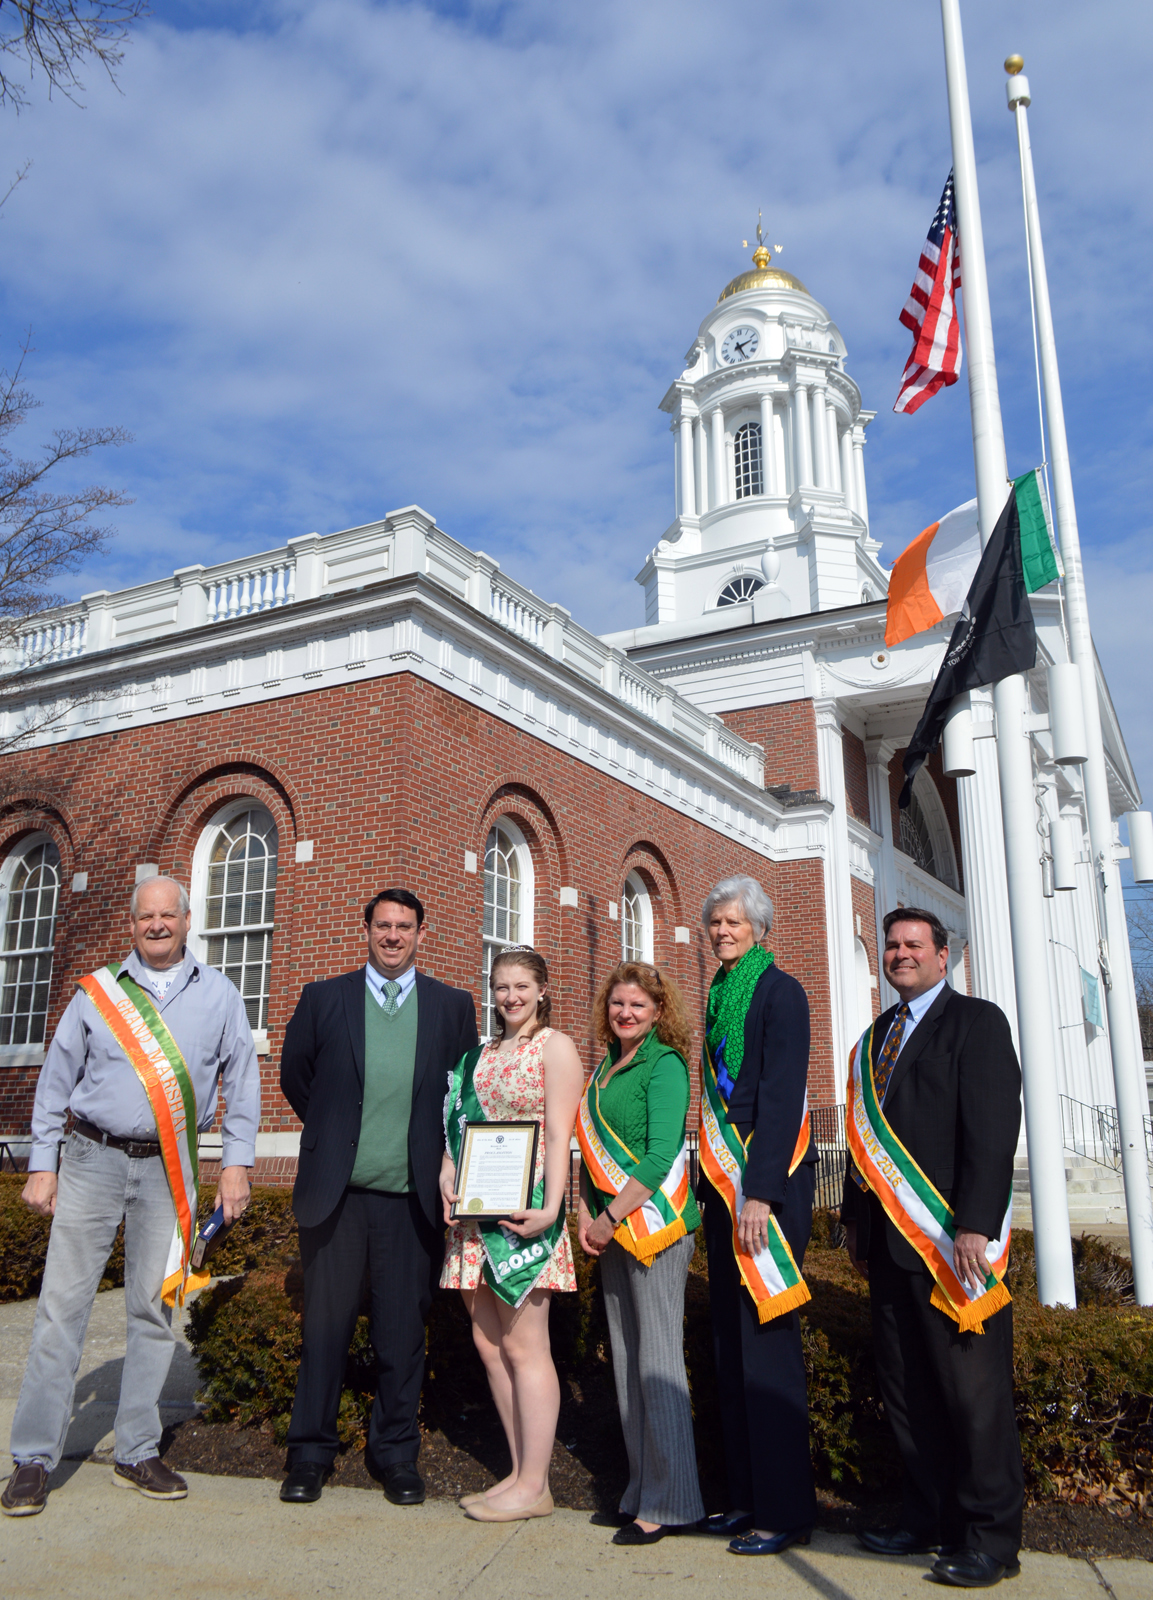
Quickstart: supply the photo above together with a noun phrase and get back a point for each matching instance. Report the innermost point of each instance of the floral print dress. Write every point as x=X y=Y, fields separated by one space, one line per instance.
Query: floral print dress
x=510 y=1088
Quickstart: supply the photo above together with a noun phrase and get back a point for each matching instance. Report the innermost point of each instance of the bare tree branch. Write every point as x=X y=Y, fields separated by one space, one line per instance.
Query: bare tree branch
x=56 y=38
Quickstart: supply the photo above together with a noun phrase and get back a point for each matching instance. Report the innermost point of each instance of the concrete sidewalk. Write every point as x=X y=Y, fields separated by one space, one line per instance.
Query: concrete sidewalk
x=233 y=1540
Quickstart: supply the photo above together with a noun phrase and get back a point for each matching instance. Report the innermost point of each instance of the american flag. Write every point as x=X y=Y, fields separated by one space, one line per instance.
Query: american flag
x=931 y=310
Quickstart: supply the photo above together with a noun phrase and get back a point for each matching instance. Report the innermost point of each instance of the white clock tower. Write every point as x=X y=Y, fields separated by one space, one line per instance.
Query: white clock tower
x=770 y=478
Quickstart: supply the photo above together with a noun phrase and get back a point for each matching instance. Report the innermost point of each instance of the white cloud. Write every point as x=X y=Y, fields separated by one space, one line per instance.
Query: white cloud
x=329 y=259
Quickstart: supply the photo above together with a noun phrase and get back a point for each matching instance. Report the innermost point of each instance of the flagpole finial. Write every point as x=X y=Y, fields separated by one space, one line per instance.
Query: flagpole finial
x=763 y=254
x=1014 y=65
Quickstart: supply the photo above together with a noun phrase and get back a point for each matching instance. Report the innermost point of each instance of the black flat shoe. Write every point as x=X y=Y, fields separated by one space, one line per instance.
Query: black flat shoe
x=727 y=1523
x=304 y=1482
x=610 y=1519
x=973 y=1569
x=757 y=1544
x=633 y=1533
x=895 y=1542
x=403 y=1484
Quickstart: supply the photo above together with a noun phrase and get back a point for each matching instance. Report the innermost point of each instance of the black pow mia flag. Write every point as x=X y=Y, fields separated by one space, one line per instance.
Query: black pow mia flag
x=994 y=638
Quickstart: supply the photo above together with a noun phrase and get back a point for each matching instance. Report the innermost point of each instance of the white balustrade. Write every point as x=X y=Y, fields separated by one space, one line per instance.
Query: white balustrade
x=57 y=641
x=517 y=615
x=643 y=697
x=264 y=586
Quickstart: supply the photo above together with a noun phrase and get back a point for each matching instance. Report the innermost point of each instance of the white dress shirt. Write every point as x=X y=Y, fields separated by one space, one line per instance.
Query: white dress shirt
x=917 y=1009
x=377 y=981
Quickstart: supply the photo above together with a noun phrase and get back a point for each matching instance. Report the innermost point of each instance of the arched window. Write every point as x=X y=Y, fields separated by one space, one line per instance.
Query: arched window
x=738 y=589
x=30 y=881
x=235 y=874
x=925 y=832
x=508 y=902
x=747 y=460
x=636 y=920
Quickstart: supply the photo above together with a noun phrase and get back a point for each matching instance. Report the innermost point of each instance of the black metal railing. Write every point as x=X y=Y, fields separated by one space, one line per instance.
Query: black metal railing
x=827 y=1126
x=8 y=1161
x=1095 y=1132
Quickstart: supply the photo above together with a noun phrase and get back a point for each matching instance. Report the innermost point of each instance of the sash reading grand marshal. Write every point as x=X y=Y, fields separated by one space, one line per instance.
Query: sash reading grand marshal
x=912 y=1204
x=511 y=1264
x=141 y=1032
x=771 y=1276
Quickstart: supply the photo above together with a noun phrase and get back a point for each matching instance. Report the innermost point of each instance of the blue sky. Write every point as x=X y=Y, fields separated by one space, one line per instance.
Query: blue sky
x=326 y=260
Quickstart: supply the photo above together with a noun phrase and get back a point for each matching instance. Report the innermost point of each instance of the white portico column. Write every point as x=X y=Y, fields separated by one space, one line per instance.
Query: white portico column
x=878 y=754
x=688 y=491
x=983 y=861
x=838 y=892
x=821 y=476
x=848 y=474
x=862 y=505
x=768 y=447
x=802 y=436
x=719 y=495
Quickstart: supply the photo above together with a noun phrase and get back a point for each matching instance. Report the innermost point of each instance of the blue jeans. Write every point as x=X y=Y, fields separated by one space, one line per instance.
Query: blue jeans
x=97 y=1187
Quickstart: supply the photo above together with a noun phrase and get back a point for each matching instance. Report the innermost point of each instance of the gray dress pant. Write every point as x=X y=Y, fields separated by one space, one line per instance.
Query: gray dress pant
x=97 y=1187
x=645 y=1306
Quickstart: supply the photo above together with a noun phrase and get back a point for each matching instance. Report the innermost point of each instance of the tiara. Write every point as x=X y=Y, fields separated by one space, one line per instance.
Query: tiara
x=516 y=949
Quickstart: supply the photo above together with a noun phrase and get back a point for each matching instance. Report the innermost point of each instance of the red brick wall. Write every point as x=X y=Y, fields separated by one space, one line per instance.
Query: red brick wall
x=393 y=780
x=789 y=734
x=856 y=777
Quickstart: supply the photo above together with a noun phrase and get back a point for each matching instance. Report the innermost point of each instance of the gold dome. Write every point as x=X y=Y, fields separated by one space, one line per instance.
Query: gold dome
x=763 y=276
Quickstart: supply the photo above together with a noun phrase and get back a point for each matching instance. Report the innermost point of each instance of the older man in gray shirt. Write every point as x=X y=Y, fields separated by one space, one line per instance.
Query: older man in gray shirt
x=110 y=1167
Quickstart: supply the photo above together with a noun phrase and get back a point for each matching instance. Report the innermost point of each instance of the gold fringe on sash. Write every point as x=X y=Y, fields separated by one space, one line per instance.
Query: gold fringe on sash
x=780 y=1304
x=972 y=1318
x=645 y=1249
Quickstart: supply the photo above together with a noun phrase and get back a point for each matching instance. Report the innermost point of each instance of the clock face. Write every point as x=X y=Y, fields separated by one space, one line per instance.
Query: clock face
x=740 y=345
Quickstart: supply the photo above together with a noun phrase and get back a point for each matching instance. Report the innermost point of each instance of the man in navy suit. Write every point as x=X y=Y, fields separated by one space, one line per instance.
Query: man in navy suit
x=952 y=1096
x=365 y=1067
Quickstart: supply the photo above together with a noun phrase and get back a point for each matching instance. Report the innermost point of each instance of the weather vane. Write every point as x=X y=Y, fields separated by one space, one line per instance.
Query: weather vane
x=763 y=253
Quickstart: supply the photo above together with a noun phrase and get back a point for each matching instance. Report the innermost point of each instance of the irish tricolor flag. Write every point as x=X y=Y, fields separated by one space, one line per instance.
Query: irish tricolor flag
x=931 y=579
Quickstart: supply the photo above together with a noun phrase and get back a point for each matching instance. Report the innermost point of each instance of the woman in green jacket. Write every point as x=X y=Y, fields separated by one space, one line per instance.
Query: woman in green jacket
x=638 y=1214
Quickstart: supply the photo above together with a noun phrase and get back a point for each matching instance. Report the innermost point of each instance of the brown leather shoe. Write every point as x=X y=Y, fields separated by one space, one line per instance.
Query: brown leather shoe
x=26 y=1491
x=152 y=1478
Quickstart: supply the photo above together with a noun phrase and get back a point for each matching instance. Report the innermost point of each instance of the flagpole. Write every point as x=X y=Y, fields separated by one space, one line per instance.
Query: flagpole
x=1124 y=1038
x=1055 y=1285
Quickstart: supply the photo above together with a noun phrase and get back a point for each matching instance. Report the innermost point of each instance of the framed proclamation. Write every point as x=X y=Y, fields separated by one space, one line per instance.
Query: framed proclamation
x=495 y=1172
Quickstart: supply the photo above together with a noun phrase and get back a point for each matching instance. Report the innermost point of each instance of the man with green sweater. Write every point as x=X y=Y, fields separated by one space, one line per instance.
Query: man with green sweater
x=365 y=1064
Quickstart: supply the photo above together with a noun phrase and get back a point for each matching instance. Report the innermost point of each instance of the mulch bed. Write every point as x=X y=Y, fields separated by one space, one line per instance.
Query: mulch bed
x=588 y=1477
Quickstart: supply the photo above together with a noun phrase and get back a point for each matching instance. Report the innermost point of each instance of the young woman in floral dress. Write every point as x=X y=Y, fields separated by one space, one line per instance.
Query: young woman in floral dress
x=528 y=1072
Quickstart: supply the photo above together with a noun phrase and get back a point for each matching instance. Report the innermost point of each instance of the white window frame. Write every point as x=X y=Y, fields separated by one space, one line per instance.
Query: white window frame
x=27 y=1055
x=754 y=475
x=637 y=886
x=490 y=943
x=201 y=860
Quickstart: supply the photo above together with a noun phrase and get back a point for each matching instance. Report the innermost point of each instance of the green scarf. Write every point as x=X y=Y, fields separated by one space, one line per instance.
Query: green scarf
x=730 y=996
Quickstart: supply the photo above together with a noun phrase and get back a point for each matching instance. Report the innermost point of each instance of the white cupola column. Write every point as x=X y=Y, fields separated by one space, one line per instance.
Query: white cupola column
x=701 y=461
x=802 y=435
x=859 y=458
x=688 y=490
x=821 y=475
x=719 y=496
x=848 y=469
x=768 y=447
x=834 y=450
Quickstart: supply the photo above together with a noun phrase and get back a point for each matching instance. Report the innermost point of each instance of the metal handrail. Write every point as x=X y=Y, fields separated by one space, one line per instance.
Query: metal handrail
x=1094 y=1132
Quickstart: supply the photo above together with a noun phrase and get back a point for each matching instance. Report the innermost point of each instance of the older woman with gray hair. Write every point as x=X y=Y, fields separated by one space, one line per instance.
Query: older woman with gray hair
x=757 y=1181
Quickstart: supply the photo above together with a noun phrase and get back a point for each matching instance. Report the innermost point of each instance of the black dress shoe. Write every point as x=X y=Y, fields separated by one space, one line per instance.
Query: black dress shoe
x=403 y=1484
x=769 y=1544
x=610 y=1519
x=895 y=1542
x=633 y=1533
x=728 y=1523
x=973 y=1569
x=304 y=1482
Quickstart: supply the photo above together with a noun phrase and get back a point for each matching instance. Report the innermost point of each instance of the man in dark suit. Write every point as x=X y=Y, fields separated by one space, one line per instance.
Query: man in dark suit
x=953 y=1099
x=365 y=1067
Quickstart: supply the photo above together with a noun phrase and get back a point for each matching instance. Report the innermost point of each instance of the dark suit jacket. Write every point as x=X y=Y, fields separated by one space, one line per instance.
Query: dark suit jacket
x=322 y=1077
x=769 y=1097
x=954 y=1101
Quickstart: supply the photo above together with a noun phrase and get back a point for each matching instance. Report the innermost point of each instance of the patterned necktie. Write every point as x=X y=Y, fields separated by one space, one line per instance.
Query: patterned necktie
x=390 y=1005
x=884 y=1069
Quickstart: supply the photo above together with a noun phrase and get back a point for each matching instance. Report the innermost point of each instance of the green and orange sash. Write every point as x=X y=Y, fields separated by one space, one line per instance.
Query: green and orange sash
x=155 y=1057
x=609 y=1162
x=912 y=1204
